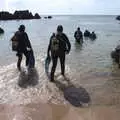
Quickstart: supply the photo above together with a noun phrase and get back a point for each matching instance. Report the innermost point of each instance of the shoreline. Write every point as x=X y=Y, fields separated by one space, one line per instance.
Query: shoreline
x=89 y=88
x=42 y=111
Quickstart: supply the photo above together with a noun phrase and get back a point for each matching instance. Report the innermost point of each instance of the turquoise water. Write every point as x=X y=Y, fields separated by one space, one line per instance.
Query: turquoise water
x=90 y=62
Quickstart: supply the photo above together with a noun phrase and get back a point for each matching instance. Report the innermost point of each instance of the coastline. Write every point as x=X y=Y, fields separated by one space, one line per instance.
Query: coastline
x=102 y=84
x=42 y=111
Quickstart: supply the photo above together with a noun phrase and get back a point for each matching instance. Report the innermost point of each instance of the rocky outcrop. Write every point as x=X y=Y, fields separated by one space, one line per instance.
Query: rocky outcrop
x=5 y=16
x=1 y=31
x=37 y=16
x=25 y=14
x=48 y=17
x=22 y=15
x=45 y=17
x=118 y=18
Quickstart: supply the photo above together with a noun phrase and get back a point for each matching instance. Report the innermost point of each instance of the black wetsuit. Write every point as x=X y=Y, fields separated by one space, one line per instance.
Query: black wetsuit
x=79 y=37
x=64 y=46
x=23 y=43
x=86 y=33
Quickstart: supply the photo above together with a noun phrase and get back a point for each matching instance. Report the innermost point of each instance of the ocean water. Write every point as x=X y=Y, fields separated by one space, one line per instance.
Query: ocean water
x=88 y=66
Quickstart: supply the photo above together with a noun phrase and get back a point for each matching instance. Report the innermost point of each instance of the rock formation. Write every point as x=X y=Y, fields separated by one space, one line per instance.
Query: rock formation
x=118 y=18
x=25 y=14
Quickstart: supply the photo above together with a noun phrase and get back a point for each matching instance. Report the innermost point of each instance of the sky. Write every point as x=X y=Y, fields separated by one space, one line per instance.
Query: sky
x=61 y=7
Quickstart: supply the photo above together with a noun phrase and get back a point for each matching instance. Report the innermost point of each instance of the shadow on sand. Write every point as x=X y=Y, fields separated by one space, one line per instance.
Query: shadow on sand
x=28 y=79
x=77 y=96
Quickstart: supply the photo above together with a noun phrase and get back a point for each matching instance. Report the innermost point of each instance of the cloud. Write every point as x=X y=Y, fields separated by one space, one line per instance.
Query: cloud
x=65 y=6
x=2 y=4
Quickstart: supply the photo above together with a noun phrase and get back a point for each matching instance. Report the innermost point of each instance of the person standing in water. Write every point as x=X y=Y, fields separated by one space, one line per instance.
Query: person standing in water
x=23 y=46
x=78 y=35
x=59 y=46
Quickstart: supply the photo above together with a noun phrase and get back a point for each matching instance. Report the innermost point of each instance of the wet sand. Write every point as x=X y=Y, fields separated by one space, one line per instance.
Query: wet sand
x=57 y=112
x=88 y=96
x=93 y=88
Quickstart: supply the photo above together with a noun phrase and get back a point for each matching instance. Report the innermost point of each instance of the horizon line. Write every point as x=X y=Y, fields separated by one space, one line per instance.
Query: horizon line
x=62 y=13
